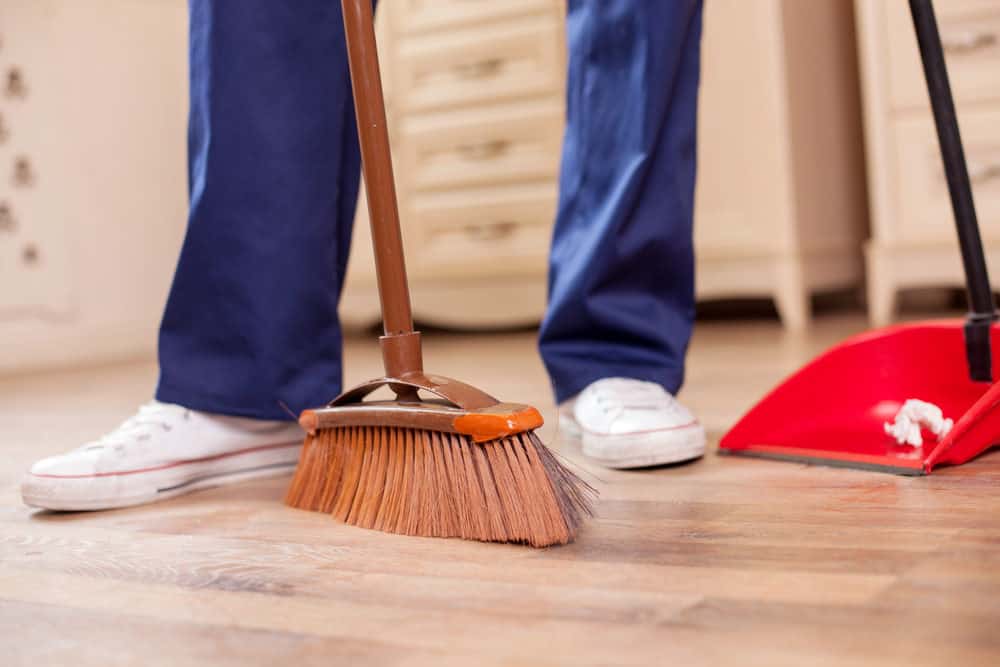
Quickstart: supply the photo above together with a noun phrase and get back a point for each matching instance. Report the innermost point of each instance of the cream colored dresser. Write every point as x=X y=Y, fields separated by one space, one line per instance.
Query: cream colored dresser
x=92 y=177
x=475 y=95
x=93 y=97
x=913 y=237
x=780 y=208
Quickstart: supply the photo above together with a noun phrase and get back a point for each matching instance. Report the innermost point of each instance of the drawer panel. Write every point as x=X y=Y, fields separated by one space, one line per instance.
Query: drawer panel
x=484 y=146
x=495 y=64
x=972 y=49
x=491 y=232
x=921 y=190
x=421 y=15
x=963 y=8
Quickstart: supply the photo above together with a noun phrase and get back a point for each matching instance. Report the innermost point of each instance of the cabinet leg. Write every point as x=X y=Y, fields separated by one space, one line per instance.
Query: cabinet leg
x=791 y=297
x=881 y=302
x=792 y=302
x=881 y=286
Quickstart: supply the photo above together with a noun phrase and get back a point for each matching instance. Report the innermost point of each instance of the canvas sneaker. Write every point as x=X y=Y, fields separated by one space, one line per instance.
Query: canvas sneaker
x=164 y=450
x=627 y=423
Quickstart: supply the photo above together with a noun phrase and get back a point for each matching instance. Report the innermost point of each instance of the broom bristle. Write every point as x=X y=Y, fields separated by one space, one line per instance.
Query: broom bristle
x=433 y=484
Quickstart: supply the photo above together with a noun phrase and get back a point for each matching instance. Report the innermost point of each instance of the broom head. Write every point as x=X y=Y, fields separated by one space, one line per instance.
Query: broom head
x=430 y=468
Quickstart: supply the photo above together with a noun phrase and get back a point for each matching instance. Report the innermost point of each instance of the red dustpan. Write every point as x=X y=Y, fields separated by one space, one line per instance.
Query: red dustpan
x=833 y=411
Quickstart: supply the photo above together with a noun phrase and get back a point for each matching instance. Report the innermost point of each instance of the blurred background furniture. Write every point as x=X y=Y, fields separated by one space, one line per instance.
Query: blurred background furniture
x=913 y=240
x=780 y=209
x=475 y=98
x=93 y=107
x=93 y=179
x=476 y=105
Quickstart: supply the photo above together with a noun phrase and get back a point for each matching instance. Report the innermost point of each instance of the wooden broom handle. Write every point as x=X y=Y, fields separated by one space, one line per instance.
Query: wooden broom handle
x=376 y=160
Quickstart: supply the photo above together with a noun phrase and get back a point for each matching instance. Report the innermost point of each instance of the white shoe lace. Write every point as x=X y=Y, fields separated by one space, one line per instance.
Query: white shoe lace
x=151 y=418
x=632 y=395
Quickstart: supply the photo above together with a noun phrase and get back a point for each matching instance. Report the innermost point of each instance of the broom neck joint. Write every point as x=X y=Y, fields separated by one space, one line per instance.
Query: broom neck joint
x=401 y=354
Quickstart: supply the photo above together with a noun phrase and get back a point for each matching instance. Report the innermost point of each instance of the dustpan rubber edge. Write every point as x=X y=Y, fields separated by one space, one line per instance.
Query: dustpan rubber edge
x=829 y=463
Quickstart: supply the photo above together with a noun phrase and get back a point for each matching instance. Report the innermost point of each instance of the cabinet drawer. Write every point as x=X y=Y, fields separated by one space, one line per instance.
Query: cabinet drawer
x=421 y=15
x=972 y=49
x=494 y=64
x=496 y=232
x=962 y=8
x=484 y=146
x=921 y=189
x=27 y=72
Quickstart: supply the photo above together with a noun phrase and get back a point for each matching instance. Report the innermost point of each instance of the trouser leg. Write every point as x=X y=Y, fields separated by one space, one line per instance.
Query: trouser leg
x=251 y=319
x=621 y=279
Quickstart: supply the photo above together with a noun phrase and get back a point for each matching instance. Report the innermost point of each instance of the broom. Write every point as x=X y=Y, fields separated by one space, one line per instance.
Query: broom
x=459 y=464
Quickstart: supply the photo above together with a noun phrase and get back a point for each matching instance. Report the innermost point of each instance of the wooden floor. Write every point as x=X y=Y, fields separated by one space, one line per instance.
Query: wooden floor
x=721 y=562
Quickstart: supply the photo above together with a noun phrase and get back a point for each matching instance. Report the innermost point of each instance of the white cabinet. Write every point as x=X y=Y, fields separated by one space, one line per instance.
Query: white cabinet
x=34 y=280
x=92 y=175
x=476 y=109
x=780 y=209
x=913 y=240
x=475 y=97
x=93 y=178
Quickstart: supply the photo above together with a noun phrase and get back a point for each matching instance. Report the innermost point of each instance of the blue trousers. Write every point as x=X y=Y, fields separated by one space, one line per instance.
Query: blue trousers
x=251 y=319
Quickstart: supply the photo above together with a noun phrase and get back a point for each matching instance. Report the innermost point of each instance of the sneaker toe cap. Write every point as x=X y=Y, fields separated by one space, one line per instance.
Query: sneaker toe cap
x=76 y=464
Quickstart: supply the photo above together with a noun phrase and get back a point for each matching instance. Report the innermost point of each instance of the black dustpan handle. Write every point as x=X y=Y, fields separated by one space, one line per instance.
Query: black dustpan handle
x=982 y=307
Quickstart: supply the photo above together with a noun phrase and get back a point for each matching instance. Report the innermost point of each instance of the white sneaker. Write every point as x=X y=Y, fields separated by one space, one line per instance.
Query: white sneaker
x=163 y=451
x=626 y=423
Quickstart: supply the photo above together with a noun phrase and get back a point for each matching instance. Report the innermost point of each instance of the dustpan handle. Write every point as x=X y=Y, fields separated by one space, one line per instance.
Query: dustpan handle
x=982 y=307
x=376 y=160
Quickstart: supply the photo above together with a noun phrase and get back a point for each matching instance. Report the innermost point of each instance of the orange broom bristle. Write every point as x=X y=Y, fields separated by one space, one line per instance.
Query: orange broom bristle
x=434 y=484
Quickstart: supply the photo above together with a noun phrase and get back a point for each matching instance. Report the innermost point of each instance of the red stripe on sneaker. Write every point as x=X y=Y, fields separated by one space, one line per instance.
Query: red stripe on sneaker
x=646 y=432
x=175 y=464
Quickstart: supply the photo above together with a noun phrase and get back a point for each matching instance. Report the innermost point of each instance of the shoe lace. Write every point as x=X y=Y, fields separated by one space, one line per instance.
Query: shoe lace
x=150 y=418
x=634 y=396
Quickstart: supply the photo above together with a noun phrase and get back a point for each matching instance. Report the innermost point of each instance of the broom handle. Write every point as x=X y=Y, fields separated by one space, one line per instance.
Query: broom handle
x=981 y=303
x=376 y=160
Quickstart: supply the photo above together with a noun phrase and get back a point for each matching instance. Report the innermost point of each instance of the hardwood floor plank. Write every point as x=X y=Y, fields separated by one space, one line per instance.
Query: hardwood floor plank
x=42 y=634
x=512 y=641
x=874 y=634
x=433 y=629
x=278 y=567
x=725 y=561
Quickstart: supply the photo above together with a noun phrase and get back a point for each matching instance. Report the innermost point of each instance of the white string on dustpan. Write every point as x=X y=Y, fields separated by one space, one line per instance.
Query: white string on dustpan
x=914 y=415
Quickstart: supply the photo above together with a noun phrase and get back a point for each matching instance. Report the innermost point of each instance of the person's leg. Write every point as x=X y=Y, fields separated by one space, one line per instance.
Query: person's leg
x=251 y=321
x=621 y=280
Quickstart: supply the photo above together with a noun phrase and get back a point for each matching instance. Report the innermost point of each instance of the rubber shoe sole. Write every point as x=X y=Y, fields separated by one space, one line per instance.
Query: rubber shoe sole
x=649 y=448
x=70 y=493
